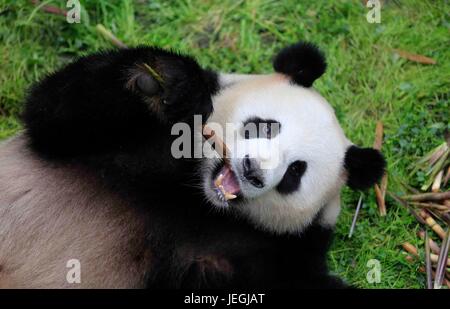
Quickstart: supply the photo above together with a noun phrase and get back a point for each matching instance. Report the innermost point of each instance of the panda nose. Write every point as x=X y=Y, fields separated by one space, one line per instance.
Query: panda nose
x=251 y=172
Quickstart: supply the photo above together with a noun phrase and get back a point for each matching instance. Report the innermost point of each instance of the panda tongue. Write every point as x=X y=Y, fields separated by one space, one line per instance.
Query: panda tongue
x=229 y=181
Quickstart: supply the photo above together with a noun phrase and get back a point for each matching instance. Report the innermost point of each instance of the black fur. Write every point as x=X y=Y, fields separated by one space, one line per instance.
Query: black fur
x=89 y=114
x=365 y=167
x=218 y=251
x=303 y=62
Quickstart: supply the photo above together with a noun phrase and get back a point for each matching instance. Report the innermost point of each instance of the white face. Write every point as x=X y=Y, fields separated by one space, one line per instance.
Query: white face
x=288 y=178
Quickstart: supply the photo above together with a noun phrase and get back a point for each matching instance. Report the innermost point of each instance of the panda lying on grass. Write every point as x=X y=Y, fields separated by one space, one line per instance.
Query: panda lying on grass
x=93 y=177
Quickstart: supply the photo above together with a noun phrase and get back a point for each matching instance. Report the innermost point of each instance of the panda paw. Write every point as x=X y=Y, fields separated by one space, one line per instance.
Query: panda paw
x=108 y=99
x=173 y=86
x=208 y=271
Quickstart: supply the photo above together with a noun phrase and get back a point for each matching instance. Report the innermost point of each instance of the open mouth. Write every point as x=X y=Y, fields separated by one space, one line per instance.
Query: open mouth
x=226 y=184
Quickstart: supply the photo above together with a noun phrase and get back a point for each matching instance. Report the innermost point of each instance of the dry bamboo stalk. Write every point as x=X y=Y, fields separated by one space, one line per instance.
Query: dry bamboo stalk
x=430 y=158
x=437 y=154
x=414 y=254
x=435 y=258
x=378 y=136
x=384 y=183
x=413 y=250
x=441 y=215
x=428 y=262
x=433 y=171
x=110 y=37
x=432 y=223
x=445 y=281
x=428 y=197
x=436 y=186
x=433 y=245
x=410 y=209
x=380 y=200
x=447 y=177
x=410 y=249
x=358 y=207
x=430 y=205
x=221 y=148
x=443 y=261
x=445 y=216
x=380 y=190
x=410 y=258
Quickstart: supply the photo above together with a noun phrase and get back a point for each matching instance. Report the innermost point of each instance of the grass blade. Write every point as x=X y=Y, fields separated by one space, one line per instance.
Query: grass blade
x=110 y=37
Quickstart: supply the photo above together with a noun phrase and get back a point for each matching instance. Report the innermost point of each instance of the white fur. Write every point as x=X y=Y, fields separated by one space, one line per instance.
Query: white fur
x=226 y=80
x=309 y=132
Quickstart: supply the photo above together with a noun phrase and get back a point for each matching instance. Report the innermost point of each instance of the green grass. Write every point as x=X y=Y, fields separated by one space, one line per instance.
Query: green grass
x=365 y=82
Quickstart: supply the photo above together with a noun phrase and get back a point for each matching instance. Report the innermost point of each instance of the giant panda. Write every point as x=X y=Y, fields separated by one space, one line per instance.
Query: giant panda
x=92 y=177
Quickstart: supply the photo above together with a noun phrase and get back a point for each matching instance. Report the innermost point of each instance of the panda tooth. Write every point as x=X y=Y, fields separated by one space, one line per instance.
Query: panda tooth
x=229 y=196
x=223 y=195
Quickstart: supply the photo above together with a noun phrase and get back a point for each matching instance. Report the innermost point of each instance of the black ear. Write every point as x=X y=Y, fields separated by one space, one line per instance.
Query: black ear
x=365 y=167
x=303 y=62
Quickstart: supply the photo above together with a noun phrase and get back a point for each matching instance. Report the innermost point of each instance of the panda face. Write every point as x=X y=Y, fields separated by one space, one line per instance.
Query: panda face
x=291 y=167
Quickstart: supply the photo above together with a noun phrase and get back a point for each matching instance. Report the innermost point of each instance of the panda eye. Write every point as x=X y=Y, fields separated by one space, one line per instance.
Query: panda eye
x=260 y=128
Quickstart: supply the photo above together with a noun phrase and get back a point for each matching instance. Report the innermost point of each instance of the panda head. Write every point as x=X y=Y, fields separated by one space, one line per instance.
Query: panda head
x=289 y=157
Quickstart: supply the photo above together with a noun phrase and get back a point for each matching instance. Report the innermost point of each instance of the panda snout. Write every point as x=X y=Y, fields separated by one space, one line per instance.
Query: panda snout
x=252 y=172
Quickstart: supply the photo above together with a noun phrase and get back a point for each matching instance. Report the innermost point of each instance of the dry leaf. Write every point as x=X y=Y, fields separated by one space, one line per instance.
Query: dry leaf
x=414 y=57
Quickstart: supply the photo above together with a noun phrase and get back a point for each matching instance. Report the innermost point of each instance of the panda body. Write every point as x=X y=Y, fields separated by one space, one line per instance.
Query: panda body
x=119 y=245
x=93 y=180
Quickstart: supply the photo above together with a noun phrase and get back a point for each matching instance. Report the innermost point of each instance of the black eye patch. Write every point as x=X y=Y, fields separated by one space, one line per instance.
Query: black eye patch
x=260 y=128
x=291 y=179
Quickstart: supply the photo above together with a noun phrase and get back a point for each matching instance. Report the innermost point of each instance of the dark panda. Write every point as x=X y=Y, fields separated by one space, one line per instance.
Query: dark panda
x=92 y=177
